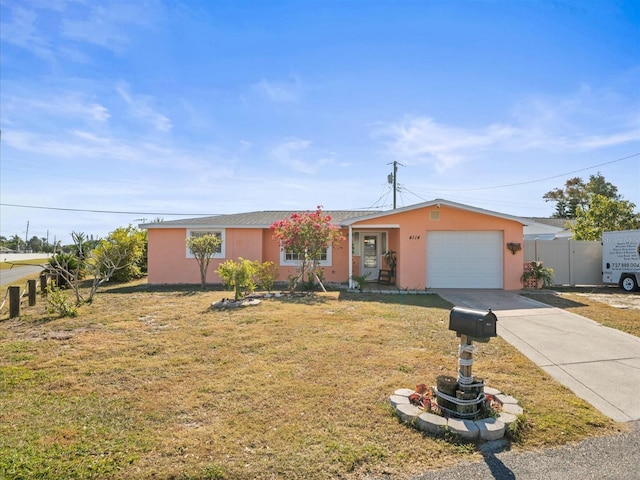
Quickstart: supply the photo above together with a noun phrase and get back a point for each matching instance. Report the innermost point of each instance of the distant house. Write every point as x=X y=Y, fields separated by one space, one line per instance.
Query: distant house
x=540 y=228
x=439 y=244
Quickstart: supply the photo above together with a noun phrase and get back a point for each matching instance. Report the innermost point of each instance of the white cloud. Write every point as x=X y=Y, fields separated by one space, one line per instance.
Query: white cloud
x=140 y=107
x=586 y=120
x=70 y=106
x=21 y=31
x=280 y=92
x=297 y=154
x=54 y=30
x=422 y=140
x=87 y=145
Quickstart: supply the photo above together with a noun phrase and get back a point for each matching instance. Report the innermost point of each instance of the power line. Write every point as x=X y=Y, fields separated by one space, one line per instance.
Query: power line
x=540 y=179
x=107 y=211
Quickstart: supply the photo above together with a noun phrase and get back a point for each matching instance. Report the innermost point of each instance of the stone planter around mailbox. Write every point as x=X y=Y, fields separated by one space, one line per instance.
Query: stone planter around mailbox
x=486 y=429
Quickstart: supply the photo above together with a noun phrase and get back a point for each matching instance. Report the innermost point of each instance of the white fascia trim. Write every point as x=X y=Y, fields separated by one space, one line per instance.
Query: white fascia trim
x=375 y=226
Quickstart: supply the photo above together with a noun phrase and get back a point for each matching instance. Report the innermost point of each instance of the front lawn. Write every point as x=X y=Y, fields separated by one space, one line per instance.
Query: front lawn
x=152 y=383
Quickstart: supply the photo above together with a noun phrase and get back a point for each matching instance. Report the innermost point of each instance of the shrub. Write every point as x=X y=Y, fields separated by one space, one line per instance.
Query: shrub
x=238 y=276
x=267 y=273
x=134 y=243
x=58 y=302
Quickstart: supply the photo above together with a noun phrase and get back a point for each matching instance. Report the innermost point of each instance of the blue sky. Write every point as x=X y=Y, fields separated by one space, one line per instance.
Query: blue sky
x=188 y=107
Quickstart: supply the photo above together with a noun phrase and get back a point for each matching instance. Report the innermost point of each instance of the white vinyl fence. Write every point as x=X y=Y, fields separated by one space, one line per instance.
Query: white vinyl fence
x=574 y=262
x=16 y=257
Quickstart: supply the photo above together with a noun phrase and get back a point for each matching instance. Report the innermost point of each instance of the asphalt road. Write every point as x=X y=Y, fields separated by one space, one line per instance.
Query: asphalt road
x=16 y=273
x=615 y=457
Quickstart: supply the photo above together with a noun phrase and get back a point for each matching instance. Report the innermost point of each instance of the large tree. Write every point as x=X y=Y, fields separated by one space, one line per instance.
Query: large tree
x=577 y=194
x=604 y=214
x=307 y=236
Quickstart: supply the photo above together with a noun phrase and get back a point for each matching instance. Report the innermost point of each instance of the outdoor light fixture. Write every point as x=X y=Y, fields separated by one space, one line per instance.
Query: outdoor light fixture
x=514 y=247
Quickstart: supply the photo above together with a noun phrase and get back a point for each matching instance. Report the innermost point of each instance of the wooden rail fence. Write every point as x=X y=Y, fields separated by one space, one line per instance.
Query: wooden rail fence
x=29 y=293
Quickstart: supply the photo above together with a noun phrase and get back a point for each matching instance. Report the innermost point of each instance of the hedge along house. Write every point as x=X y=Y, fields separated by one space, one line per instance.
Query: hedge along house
x=438 y=244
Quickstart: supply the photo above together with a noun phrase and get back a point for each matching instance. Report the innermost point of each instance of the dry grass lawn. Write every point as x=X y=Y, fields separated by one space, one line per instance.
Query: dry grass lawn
x=152 y=383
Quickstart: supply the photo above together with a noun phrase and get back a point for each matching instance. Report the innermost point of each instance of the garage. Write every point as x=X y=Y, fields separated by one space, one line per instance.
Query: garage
x=464 y=259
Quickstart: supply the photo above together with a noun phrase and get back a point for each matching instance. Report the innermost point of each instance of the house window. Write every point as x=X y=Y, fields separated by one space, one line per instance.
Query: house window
x=287 y=257
x=201 y=233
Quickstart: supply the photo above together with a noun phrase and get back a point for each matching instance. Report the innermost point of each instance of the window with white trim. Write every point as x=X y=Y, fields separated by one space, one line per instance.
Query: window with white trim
x=288 y=257
x=201 y=233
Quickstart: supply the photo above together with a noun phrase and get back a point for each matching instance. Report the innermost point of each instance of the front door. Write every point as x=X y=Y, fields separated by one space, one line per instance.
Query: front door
x=370 y=256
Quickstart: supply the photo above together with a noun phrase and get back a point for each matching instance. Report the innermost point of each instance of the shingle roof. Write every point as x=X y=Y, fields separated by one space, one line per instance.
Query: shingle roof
x=262 y=219
x=265 y=219
x=554 y=222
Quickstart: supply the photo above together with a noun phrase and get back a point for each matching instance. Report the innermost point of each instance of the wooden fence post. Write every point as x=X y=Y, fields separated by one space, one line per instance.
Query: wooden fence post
x=43 y=284
x=32 y=292
x=14 y=302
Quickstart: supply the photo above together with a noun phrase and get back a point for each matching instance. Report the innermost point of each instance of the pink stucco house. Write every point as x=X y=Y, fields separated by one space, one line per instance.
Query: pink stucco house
x=439 y=244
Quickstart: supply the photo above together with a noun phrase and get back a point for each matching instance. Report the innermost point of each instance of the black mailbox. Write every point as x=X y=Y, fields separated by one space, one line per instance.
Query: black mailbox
x=473 y=323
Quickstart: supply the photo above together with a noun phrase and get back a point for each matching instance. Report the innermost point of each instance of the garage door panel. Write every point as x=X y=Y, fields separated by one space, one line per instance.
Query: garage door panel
x=467 y=259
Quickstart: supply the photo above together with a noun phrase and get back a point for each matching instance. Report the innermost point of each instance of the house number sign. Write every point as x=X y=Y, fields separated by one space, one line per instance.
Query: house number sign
x=414 y=237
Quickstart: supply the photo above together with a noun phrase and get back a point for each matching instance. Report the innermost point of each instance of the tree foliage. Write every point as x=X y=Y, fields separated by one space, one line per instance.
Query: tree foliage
x=604 y=214
x=134 y=242
x=577 y=194
x=99 y=263
x=308 y=235
x=203 y=249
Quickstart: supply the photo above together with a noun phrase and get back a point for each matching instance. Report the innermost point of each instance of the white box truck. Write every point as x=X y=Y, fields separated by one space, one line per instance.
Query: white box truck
x=621 y=259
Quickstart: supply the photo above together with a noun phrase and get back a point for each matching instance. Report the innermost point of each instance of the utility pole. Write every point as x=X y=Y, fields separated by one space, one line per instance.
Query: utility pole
x=392 y=178
x=26 y=234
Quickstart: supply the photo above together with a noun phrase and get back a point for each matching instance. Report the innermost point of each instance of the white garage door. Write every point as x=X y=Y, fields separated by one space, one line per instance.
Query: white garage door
x=464 y=259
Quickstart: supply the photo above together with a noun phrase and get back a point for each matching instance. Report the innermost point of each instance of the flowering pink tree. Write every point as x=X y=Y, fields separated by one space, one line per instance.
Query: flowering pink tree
x=307 y=235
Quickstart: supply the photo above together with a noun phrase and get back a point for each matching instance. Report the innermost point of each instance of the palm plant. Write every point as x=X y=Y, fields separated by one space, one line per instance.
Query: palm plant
x=541 y=274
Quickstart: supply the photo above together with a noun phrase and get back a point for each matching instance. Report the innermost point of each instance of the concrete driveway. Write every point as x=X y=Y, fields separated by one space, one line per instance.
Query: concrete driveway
x=599 y=364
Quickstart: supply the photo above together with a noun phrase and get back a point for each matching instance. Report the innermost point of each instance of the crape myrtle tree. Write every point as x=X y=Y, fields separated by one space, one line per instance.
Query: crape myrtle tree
x=203 y=249
x=307 y=236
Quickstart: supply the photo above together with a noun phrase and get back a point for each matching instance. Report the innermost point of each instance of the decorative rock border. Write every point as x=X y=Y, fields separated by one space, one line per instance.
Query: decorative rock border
x=485 y=430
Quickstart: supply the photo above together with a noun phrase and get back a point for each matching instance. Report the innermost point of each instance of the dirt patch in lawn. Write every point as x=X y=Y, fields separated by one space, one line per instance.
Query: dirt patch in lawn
x=607 y=305
x=617 y=300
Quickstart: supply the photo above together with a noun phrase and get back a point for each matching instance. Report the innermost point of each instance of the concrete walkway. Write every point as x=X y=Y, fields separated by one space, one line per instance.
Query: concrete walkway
x=599 y=364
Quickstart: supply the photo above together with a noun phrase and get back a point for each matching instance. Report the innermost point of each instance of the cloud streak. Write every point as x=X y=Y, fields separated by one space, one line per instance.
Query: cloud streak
x=280 y=92
x=141 y=107
x=587 y=120
x=298 y=155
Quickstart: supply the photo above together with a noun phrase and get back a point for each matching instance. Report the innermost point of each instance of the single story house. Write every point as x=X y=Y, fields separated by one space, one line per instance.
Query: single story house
x=439 y=244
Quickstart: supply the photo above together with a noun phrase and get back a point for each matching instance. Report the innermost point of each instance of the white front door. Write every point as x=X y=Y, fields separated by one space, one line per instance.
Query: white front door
x=370 y=256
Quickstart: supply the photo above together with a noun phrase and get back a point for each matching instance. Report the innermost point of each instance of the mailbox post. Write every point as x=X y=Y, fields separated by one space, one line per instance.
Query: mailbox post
x=469 y=325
